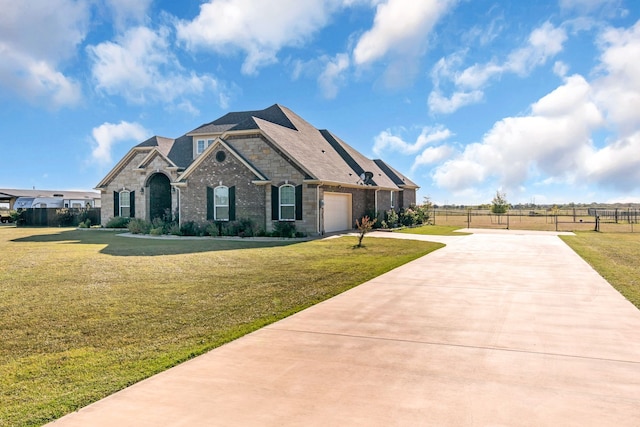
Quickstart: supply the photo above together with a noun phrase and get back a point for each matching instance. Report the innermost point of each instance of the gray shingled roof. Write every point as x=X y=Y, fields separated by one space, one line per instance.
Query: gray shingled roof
x=178 y=150
x=243 y=120
x=398 y=178
x=320 y=153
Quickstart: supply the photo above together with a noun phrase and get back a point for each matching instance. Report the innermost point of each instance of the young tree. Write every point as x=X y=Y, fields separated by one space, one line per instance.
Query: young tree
x=499 y=205
x=364 y=226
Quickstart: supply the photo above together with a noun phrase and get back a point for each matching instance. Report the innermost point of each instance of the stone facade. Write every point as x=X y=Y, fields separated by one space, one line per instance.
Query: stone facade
x=131 y=178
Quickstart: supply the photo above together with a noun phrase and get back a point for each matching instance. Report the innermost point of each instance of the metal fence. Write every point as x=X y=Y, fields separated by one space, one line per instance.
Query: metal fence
x=561 y=220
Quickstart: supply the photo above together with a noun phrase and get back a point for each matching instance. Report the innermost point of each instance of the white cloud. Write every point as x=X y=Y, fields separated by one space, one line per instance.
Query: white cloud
x=553 y=140
x=554 y=144
x=543 y=43
x=126 y=12
x=387 y=141
x=432 y=155
x=259 y=29
x=441 y=104
x=31 y=55
x=333 y=75
x=107 y=135
x=618 y=90
x=617 y=165
x=140 y=66
x=401 y=27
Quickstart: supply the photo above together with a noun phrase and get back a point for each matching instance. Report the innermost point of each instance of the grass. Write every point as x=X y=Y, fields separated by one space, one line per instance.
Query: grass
x=614 y=256
x=434 y=230
x=86 y=313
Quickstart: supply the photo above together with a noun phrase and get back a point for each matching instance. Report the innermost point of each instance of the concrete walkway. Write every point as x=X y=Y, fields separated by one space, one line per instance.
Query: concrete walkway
x=499 y=329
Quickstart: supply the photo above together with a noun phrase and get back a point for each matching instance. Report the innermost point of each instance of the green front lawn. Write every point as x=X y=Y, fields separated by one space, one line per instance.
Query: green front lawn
x=615 y=256
x=86 y=313
x=434 y=230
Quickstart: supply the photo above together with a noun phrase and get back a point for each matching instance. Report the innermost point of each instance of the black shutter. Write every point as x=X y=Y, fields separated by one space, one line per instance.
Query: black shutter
x=299 y=202
x=209 y=204
x=132 y=204
x=275 y=203
x=232 y=203
x=116 y=204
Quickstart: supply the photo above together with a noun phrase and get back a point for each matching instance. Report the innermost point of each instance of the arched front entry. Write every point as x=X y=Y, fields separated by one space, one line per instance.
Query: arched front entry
x=159 y=196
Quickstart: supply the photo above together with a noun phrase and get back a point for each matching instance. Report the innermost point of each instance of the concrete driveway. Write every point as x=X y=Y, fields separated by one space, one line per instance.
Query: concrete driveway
x=498 y=329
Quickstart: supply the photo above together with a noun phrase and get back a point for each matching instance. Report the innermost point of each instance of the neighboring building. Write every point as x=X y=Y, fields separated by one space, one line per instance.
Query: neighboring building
x=15 y=198
x=268 y=165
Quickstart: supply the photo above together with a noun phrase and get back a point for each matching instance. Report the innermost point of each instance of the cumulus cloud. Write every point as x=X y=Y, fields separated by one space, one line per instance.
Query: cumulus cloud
x=258 y=29
x=332 y=77
x=432 y=155
x=439 y=103
x=30 y=60
x=387 y=141
x=401 y=27
x=553 y=140
x=618 y=89
x=554 y=143
x=105 y=136
x=542 y=44
x=140 y=67
x=127 y=12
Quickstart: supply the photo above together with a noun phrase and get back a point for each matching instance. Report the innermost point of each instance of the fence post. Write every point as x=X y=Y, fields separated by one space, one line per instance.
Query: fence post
x=597 y=223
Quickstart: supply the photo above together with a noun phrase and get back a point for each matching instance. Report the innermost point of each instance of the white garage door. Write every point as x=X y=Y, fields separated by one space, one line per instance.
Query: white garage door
x=337 y=212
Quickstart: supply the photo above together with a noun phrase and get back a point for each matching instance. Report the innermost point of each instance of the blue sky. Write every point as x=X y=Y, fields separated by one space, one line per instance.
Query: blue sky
x=539 y=99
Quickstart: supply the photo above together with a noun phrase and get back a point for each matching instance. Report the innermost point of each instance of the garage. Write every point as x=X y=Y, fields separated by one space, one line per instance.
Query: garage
x=337 y=212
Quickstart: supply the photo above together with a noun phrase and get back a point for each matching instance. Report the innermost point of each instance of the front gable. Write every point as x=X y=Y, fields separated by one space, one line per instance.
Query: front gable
x=211 y=151
x=155 y=160
x=130 y=157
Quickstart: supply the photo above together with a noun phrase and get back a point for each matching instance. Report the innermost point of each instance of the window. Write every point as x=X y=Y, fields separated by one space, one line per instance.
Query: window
x=392 y=204
x=287 y=203
x=200 y=146
x=221 y=203
x=125 y=206
x=209 y=142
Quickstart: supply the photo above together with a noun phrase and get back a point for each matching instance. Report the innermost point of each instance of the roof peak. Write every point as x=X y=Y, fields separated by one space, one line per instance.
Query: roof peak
x=244 y=120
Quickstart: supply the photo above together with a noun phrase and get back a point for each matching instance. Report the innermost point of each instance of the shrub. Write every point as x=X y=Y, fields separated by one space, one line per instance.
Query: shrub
x=174 y=229
x=139 y=226
x=157 y=231
x=117 y=222
x=408 y=217
x=391 y=218
x=84 y=216
x=284 y=229
x=64 y=217
x=85 y=224
x=245 y=227
x=424 y=211
x=192 y=228
x=212 y=229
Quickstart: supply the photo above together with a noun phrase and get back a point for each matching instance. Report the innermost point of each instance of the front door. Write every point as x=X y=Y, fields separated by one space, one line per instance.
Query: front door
x=159 y=196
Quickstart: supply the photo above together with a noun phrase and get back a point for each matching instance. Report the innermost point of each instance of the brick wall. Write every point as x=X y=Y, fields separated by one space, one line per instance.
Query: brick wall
x=250 y=198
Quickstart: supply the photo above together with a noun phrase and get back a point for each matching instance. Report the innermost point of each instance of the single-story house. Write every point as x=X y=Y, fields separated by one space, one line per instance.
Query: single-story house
x=268 y=165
